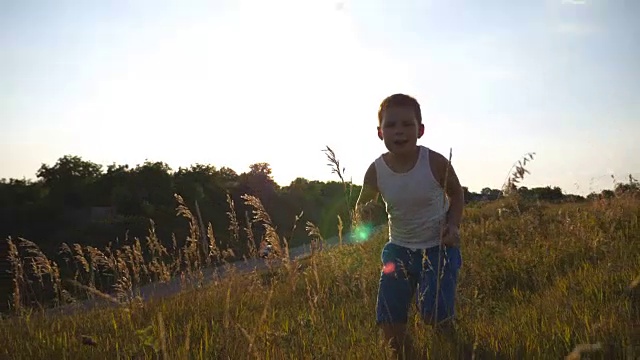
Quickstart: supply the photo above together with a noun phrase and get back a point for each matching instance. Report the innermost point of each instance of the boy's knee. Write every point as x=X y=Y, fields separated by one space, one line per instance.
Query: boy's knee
x=394 y=297
x=394 y=312
x=396 y=336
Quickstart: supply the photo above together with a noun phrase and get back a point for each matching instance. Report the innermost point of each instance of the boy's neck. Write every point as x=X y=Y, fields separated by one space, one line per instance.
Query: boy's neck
x=405 y=159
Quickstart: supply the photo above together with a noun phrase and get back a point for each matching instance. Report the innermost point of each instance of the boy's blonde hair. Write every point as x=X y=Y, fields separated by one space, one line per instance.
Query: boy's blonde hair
x=399 y=100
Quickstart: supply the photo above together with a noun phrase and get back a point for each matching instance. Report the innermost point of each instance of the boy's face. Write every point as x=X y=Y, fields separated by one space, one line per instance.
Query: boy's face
x=399 y=129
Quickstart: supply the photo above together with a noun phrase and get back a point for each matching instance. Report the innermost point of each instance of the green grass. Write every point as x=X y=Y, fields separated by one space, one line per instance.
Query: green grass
x=533 y=285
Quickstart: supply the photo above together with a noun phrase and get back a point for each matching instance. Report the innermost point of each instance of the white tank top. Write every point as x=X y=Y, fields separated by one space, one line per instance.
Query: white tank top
x=416 y=203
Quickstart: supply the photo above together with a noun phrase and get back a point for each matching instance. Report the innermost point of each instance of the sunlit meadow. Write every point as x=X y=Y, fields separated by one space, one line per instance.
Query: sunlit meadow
x=538 y=281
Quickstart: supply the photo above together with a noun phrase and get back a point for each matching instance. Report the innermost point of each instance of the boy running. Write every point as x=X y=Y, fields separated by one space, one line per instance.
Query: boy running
x=423 y=213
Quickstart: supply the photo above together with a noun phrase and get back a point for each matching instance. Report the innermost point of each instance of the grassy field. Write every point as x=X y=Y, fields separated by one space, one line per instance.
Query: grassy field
x=535 y=283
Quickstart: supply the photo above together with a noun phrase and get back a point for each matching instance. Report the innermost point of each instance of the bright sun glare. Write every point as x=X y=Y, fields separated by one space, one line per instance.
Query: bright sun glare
x=236 y=73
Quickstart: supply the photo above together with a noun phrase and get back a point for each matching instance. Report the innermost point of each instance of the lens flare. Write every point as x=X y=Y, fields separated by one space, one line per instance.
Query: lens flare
x=362 y=233
x=389 y=268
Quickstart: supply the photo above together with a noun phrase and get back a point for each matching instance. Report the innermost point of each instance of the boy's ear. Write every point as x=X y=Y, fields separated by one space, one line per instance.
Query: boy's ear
x=379 y=133
x=420 y=131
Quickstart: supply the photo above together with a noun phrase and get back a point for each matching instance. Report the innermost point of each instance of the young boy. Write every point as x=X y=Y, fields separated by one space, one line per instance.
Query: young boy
x=424 y=202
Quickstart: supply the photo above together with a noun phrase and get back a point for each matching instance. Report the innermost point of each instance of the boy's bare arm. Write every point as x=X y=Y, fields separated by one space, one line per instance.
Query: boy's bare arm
x=369 y=192
x=453 y=189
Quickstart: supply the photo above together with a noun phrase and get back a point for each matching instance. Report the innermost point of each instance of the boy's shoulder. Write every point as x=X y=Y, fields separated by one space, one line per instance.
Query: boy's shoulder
x=371 y=174
x=437 y=158
x=439 y=165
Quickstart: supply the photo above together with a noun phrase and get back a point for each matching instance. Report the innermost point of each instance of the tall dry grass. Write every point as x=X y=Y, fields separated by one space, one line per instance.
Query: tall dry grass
x=539 y=283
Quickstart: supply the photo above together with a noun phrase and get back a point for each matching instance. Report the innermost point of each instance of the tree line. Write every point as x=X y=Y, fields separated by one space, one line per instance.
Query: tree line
x=76 y=201
x=79 y=201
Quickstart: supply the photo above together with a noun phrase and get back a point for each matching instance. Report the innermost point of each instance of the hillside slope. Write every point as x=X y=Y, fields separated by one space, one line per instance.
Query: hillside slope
x=533 y=285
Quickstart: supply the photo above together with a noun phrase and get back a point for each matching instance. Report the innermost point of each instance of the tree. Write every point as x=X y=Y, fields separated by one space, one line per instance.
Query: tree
x=69 y=167
x=491 y=194
x=153 y=183
x=228 y=178
x=260 y=168
x=69 y=179
x=258 y=181
x=633 y=186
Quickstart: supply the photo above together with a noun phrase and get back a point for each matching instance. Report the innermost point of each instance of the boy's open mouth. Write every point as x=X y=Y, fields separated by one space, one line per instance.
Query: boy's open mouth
x=400 y=142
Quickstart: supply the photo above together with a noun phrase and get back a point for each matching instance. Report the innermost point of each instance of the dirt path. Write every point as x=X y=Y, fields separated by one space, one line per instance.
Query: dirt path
x=176 y=284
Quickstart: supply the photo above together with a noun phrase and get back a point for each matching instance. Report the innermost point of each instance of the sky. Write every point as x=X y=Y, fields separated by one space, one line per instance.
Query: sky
x=232 y=83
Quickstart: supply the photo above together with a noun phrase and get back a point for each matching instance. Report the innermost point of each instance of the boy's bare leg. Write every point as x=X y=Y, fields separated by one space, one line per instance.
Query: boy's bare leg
x=401 y=342
x=446 y=330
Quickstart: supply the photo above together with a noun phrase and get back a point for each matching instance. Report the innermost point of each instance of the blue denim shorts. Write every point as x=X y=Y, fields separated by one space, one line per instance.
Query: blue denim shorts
x=404 y=271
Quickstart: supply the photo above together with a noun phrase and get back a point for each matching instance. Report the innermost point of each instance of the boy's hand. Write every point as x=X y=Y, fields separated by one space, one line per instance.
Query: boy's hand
x=451 y=236
x=366 y=212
